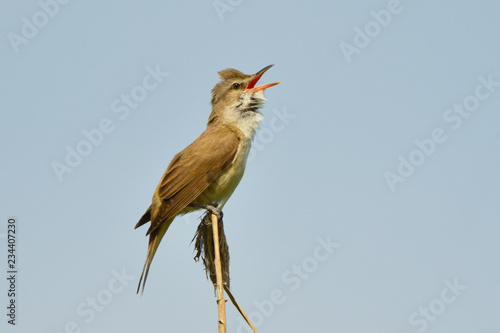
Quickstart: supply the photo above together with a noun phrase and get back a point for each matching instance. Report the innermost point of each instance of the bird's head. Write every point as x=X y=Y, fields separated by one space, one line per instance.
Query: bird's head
x=236 y=99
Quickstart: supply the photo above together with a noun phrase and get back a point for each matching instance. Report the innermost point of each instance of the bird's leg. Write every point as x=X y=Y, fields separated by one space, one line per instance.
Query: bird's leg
x=210 y=208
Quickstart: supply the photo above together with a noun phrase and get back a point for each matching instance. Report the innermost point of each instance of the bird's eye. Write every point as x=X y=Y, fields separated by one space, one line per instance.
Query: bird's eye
x=236 y=85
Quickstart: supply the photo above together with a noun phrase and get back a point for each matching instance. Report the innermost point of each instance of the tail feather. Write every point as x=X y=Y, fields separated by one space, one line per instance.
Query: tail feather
x=144 y=219
x=154 y=241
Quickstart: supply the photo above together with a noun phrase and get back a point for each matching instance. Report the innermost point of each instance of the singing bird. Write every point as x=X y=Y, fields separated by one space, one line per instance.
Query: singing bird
x=205 y=174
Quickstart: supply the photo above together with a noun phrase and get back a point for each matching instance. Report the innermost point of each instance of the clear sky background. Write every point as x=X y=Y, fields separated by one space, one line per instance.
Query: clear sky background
x=369 y=204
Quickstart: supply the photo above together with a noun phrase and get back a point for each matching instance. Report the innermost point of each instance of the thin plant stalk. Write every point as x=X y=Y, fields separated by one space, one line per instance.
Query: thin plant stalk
x=221 y=302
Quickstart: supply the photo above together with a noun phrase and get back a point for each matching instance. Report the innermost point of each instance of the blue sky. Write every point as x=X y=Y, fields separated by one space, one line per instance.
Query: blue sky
x=370 y=199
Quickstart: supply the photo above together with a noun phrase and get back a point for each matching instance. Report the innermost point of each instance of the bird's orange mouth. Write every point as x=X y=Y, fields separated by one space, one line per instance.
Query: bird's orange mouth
x=251 y=86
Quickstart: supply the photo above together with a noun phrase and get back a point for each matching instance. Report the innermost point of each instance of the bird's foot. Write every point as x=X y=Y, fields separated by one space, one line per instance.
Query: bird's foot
x=210 y=208
x=216 y=211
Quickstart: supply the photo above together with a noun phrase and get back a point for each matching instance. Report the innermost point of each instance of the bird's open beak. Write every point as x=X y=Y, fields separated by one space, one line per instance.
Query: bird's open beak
x=251 y=86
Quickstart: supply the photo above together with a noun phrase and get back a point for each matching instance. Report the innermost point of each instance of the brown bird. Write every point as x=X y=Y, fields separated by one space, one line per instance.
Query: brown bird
x=205 y=174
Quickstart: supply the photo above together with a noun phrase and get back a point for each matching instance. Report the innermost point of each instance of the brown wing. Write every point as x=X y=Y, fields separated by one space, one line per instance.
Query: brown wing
x=192 y=171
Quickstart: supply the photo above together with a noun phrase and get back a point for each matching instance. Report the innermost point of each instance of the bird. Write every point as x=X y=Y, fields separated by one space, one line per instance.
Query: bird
x=205 y=174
